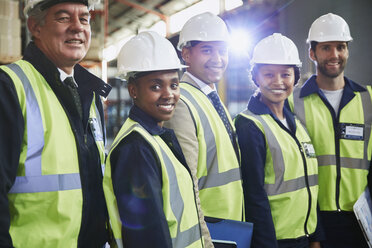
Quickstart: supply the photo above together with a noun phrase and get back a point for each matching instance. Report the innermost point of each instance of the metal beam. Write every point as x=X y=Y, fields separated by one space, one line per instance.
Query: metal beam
x=142 y=8
x=147 y=10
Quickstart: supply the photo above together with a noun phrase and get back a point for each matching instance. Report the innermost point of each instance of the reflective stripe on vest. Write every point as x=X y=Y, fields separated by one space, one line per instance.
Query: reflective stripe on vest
x=214 y=177
x=291 y=178
x=184 y=238
x=95 y=124
x=280 y=185
x=34 y=181
x=352 y=163
x=218 y=167
x=52 y=187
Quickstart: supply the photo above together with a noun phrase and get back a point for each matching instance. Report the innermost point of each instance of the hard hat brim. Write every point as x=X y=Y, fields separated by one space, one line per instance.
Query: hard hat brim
x=330 y=38
x=124 y=72
x=45 y=4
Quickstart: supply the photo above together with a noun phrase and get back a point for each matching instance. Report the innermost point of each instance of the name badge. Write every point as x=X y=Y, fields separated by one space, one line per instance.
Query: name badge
x=96 y=129
x=309 y=149
x=352 y=131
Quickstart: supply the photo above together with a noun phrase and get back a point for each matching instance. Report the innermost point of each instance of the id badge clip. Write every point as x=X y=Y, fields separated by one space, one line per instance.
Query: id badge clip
x=309 y=149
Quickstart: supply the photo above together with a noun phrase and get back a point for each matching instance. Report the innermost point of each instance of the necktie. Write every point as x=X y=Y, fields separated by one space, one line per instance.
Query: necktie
x=71 y=85
x=221 y=112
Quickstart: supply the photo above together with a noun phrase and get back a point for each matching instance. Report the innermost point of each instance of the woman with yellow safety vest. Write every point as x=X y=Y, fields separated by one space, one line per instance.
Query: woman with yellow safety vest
x=279 y=168
x=147 y=185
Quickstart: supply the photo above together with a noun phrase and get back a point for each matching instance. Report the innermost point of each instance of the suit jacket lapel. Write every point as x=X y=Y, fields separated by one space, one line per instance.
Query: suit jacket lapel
x=186 y=78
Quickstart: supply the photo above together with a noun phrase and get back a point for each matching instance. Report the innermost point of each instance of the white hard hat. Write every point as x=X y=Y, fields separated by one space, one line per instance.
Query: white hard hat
x=30 y=4
x=329 y=27
x=148 y=51
x=203 y=27
x=276 y=49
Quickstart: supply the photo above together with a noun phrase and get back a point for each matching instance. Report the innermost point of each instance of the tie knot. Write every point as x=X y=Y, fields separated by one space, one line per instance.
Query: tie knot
x=214 y=96
x=69 y=81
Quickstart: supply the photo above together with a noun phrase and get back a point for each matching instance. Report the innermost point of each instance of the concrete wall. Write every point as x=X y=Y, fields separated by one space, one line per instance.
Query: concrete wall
x=296 y=18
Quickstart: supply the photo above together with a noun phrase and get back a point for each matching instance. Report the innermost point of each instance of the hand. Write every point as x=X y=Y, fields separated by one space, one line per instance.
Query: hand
x=314 y=245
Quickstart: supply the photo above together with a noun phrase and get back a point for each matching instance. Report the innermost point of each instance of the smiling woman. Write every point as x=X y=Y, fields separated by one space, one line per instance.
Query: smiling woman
x=156 y=94
x=147 y=185
x=276 y=84
x=278 y=163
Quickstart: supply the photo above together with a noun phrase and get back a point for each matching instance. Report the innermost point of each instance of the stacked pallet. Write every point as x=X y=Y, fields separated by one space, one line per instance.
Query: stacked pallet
x=10 y=31
x=95 y=51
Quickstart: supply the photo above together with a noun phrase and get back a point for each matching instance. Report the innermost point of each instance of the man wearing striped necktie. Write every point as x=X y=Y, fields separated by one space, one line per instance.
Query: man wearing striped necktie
x=52 y=138
x=201 y=121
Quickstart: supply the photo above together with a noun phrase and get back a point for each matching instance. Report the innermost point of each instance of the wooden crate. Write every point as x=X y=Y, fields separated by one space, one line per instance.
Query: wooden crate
x=10 y=48
x=9 y=8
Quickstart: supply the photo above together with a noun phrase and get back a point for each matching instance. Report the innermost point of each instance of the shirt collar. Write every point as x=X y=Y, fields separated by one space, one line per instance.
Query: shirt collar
x=63 y=75
x=256 y=106
x=259 y=108
x=310 y=86
x=145 y=120
x=203 y=86
x=87 y=81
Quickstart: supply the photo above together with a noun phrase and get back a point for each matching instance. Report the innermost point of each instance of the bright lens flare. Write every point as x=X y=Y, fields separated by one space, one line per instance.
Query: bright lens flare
x=239 y=42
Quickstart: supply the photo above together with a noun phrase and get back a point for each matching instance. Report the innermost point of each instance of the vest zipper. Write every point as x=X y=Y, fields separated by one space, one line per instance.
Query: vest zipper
x=337 y=154
x=303 y=156
x=307 y=186
x=337 y=148
x=79 y=147
x=83 y=196
x=86 y=132
x=338 y=163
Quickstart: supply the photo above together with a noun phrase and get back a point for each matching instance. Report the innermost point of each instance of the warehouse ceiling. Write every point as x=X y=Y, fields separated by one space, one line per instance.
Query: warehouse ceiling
x=116 y=20
x=127 y=17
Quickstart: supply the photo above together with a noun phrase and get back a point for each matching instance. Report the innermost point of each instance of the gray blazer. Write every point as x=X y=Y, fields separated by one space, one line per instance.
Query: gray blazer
x=183 y=125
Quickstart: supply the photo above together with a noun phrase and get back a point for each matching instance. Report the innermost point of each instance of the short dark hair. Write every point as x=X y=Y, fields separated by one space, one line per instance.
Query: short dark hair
x=313 y=45
x=133 y=76
x=136 y=75
x=192 y=43
x=131 y=80
x=256 y=67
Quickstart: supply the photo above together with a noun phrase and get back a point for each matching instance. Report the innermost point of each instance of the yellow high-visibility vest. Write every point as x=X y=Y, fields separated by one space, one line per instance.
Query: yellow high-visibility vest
x=291 y=177
x=46 y=199
x=220 y=184
x=179 y=203
x=346 y=158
